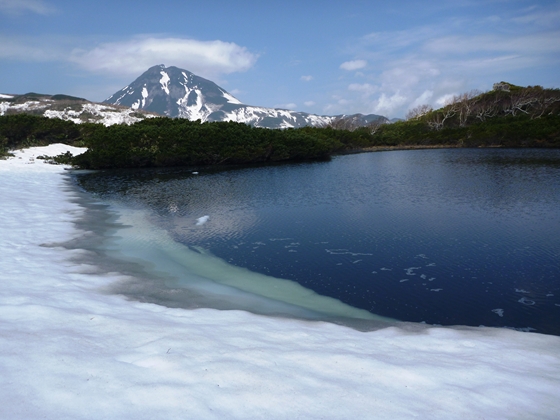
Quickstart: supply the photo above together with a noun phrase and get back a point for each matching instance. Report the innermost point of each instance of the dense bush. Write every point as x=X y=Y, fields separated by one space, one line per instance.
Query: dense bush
x=173 y=142
x=25 y=130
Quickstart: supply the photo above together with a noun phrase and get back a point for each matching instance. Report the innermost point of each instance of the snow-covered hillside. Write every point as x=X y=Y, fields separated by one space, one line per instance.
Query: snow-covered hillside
x=69 y=108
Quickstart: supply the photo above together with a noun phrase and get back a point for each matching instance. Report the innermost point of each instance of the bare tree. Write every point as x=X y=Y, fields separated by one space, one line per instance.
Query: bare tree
x=485 y=109
x=374 y=126
x=521 y=100
x=545 y=100
x=465 y=104
x=417 y=112
x=439 y=118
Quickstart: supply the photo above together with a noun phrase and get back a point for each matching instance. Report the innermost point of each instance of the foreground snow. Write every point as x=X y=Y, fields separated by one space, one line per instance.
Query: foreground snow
x=68 y=351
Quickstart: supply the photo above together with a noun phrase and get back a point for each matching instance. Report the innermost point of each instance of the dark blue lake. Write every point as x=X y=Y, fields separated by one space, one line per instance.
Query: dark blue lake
x=451 y=236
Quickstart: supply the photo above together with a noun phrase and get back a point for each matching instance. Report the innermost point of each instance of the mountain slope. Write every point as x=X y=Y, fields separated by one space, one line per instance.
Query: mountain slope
x=179 y=93
x=173 y=92
x=70 y=108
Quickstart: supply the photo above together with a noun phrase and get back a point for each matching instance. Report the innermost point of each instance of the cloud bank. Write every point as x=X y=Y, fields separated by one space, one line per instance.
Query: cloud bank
x=132 y=57
x=428 y=64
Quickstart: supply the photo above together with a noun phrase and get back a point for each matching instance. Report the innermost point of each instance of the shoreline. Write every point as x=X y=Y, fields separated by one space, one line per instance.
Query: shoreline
x=69 y=351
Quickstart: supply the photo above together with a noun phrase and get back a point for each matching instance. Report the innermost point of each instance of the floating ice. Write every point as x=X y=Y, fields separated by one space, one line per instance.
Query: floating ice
x=292 y=245
x=499 y=312
x=410 y=271
x=526 y=301
x=202 y=220
x=345 y=252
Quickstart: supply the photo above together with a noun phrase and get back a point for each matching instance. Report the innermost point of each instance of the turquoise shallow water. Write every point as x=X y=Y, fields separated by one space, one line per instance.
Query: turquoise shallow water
x=468 y=237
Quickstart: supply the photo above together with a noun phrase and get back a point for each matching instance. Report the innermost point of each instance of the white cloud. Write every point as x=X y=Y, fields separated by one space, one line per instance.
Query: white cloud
x=206 y=58
x=387 y=105
x=364 y=88
x=521 y=43
x=309 y=103
x=17 y=7
x=41 y=49
x=540 y=17
x=424 y=98
x=444 y=99
x=290 y=105
x=353 y=65
x=307 y=78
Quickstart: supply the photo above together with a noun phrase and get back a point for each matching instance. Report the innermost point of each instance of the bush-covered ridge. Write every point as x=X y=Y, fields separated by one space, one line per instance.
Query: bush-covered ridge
x=508 y=116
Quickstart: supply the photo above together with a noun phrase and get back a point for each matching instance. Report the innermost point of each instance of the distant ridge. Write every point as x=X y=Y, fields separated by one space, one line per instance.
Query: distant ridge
x=70 y=108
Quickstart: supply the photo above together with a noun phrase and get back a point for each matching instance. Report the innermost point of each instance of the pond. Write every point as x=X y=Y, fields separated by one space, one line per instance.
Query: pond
x=448 y=237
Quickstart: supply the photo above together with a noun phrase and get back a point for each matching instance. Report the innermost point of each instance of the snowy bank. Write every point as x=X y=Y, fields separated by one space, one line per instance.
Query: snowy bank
x=68 y=351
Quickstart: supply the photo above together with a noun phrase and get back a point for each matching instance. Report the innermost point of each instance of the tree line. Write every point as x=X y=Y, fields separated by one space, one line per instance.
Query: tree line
x=508 y=116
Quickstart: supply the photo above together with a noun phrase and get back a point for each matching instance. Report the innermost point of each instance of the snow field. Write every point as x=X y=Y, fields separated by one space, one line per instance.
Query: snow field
x=68 y=351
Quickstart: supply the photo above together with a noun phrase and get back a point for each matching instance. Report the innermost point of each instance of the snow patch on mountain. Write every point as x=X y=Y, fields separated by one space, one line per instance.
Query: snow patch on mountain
x=99 y=113
x=230 y=98
x=4 y=106
x=164 y=81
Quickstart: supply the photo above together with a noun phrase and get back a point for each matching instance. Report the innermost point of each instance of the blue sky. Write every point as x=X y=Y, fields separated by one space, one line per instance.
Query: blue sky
x=325 y=57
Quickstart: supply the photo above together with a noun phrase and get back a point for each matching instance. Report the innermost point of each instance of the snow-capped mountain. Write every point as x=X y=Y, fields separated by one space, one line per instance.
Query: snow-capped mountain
x=179 y=93
x=175 y=93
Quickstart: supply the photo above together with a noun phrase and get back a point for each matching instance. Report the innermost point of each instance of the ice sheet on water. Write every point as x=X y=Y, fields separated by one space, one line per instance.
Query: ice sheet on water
x=204 y=274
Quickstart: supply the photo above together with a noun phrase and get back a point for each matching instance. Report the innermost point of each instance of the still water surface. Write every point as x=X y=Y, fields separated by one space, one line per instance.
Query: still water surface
x=451 y=237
